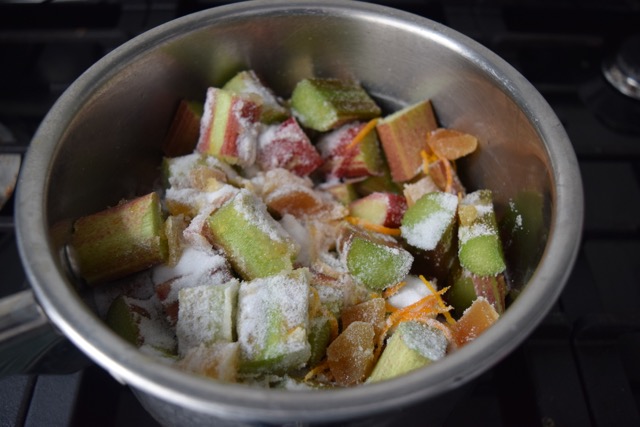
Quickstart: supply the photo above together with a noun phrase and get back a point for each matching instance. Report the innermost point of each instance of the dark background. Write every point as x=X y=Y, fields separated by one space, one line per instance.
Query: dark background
x=581 y=365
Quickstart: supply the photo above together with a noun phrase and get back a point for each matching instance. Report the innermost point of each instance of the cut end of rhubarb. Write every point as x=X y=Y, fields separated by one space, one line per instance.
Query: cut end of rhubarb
x=120 y=241
x=229 y=127
x=403 y=135
x=324 y=104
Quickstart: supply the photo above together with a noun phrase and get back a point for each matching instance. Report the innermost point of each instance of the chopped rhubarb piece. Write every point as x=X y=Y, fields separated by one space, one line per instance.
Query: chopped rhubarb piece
x=412 y=346
x=451 y=144
x=119 y=241
x=384 y=209
x=344 y=192
x=273 y=323
x=248 y=84
x=229 y=127
x=375 y=261
x=480 y=249
x=474 y=321
x=403 y=135
x=287 y=146
x=350 y=356
x=429 y=221
x=324 y=104
x=194 y=268
x=319 y=338
x=196 y=171
x=174 y=226
x=256 y=244
x=139 y=322
x=207 y=315
x=219 y=361
x=344 y=160
x=183 y=133
x=382 y=183
x=429 y=225
x=466 y=287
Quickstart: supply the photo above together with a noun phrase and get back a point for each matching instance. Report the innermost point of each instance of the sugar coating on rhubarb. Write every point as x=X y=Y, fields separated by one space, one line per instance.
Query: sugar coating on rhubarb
x=428 y=341
x=229 y=127
x=194 y=268
x=248 y=84
x=424 y=223
x=287 y=146
x=272 y=322
x=326 y=103
x=376 y=265
x=255 y=243
x=480 y=249
x=207 y=315
x=219 y=361
x=140 y=322
x=345 y=160
x=256 y=214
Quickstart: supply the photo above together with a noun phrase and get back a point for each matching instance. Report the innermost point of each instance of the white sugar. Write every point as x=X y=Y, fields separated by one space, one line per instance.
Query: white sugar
x=247 y=140
x=475 y=230
x=429 y=341
x=206 y=315
x=180 y=169
x=426 y=233
x=413 y=291
x=255 y=212
x=138 y=286
x=194 y=268
x=274 y=308
x=153 y=329
x=300 y=234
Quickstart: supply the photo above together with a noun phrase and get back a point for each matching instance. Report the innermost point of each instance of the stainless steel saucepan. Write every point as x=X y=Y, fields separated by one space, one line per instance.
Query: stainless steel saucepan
x=100 y=143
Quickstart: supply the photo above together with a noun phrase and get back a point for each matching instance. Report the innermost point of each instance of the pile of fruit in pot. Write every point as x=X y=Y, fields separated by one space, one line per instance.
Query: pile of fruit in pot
x=309 y=242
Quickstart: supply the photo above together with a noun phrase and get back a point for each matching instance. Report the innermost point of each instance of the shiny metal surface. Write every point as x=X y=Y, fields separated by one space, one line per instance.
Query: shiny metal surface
x=101 y=143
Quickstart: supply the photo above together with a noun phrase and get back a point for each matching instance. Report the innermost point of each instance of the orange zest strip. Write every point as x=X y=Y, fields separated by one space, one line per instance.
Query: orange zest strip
x=389 y=308
x=419 y=311
x=425 y=162
x=393 y=290
x=447 y=168
x=363 y=132
x=373 y=227
x=320 y=368
x=441 y=303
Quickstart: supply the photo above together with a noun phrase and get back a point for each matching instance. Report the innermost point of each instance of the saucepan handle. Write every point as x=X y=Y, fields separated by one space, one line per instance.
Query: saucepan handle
x=28 y=341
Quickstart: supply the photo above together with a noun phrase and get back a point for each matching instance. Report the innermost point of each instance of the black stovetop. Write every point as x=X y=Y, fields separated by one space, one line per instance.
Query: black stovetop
x=579 y=368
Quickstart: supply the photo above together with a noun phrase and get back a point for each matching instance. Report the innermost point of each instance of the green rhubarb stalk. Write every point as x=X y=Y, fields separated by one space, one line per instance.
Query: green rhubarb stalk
x=119 y=241
x=253 y=241
x=248 y=84
x=412 y=346
x=324 y=104
x=480 y=248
